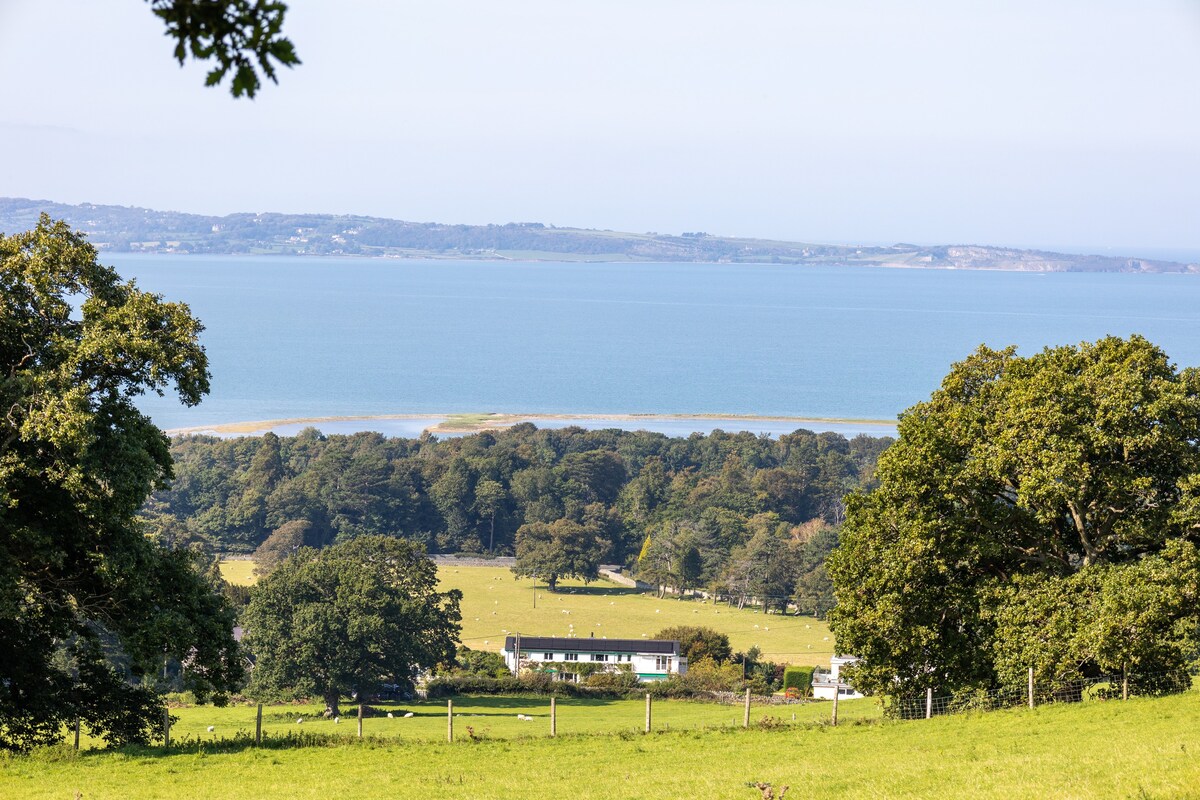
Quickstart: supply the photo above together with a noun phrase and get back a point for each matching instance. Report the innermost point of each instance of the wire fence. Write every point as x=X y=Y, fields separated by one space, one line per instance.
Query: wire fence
x=1038 y=692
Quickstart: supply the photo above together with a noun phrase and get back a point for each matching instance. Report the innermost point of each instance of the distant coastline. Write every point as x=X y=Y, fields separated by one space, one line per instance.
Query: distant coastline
x=459 y=424
x=119 y=229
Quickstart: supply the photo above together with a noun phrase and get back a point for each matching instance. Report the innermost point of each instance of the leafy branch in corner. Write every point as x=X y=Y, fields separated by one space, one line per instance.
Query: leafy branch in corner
x=242 y=36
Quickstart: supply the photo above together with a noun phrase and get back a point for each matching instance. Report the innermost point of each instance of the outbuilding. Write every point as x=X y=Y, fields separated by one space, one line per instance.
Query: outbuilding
x=826 y=684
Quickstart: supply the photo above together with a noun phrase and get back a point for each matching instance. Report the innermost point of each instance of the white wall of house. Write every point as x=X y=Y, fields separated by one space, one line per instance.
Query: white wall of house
x=647 y=666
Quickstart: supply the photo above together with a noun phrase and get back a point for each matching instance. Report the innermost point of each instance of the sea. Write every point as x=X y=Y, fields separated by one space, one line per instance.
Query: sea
x=309 y=337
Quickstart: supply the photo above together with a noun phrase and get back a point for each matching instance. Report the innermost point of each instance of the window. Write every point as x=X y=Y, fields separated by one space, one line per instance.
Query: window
x=599 y=657
x=662 y=663
x=547 y=656
x=570 y=656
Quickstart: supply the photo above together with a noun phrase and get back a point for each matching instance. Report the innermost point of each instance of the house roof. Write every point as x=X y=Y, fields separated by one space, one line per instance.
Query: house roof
x=564 y=644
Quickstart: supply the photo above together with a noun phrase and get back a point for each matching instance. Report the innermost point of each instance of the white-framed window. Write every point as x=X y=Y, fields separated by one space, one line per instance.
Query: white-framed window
x=570 y=656
x=599 y=656
x=662 y=663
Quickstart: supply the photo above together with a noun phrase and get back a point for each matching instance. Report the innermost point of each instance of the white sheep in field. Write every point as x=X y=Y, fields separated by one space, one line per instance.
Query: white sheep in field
x=212 y=728
x=299 y=720
x=390 y=716
x=409 y=714
x=337 y=720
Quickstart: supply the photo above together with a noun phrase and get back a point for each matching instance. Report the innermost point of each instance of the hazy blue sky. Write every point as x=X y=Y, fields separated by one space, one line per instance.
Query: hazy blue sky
x=1006 y=122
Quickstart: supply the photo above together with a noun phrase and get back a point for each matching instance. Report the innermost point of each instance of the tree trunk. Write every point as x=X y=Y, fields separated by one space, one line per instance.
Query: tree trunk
x=551 y=582
x=331 y=704
x=492 y=537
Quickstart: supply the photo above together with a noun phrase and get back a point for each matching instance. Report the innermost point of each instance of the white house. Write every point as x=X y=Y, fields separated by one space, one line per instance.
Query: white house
x=825 y=684
x=649 y=659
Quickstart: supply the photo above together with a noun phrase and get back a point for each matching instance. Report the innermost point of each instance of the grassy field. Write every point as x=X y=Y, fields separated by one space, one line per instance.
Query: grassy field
x=492 y=718
x=1142 y=748
x=239 y=571
x=496 y=604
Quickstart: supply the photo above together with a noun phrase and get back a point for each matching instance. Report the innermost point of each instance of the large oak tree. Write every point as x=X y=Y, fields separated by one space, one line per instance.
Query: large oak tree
x=348 y=618
x=1016 y=518
x=79 y=582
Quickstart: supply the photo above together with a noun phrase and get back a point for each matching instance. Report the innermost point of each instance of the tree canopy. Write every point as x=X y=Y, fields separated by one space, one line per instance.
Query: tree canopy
x=700 y=499
x=561 y=549
x=1036 y=511
x=348 y=618
x=80 y=583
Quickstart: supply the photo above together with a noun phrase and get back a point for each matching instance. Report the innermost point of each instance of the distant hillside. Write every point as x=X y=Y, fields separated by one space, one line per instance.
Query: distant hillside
x=122 y=229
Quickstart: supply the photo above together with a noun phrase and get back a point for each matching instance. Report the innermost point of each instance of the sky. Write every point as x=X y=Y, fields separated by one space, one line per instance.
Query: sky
x=1049 y=123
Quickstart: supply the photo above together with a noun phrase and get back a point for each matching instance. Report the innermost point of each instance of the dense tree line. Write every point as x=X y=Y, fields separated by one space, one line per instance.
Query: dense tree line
x=749 y=514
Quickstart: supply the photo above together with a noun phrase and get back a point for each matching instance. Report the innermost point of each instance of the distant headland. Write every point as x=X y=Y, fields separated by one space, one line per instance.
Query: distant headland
x=140 y=230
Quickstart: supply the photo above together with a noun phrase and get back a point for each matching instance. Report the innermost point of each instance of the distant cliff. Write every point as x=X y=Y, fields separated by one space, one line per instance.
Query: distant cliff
x=122 y=229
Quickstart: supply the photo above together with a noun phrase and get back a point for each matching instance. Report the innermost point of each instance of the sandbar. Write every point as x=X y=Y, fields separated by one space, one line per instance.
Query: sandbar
x=462 y=423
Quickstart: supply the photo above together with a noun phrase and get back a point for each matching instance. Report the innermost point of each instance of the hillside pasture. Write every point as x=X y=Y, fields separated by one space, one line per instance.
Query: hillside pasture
x=238 y=571
x=497 y=604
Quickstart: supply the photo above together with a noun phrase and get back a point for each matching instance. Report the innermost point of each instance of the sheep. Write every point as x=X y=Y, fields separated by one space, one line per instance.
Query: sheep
x=212 y=728
x=390 y=715
x=337 y=720
x=409 y=714
x=299 y=720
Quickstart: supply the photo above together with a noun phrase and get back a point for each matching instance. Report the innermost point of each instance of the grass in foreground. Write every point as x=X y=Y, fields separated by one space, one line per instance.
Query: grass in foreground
x=1142 y=748
x=496 y=718
x=496 y=604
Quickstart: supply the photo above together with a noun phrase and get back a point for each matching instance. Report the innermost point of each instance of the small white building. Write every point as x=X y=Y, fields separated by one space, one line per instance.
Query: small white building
x=826 y=684
x=649 y=659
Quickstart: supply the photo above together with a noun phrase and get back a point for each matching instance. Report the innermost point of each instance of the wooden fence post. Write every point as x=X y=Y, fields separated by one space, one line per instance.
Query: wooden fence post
x=929 y=703
x=166 y=727
x=449 y=720
x=360 y=718
x=553 y=717
x=1031 y=687
x=258 y=727
x=837 y=690
x=746 y=713
x=1124 y=683
x=77 y=733
x=647 y=712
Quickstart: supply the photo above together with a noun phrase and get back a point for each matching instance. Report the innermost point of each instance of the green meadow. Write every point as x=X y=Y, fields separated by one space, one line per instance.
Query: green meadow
x=239 y=571
x=1138 y=749
x=497 y=604
x=492 y=718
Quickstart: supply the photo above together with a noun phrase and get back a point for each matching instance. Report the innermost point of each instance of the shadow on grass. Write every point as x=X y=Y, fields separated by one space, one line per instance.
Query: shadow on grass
x=591 y=591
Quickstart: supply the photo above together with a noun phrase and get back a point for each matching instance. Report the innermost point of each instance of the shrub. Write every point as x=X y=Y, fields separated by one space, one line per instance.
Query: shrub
x=615 y=681
x=798 y=678
x=480 y=663
x=529 y=683
x=697 y=642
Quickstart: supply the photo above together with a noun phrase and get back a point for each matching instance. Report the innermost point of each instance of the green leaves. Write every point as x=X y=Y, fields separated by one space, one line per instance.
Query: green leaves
x=243 y=37
x=77 y=461
x=1007 y=512
x=348 y=618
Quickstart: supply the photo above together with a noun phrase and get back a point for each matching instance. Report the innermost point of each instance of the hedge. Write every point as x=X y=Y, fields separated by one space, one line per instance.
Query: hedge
x=798 y=678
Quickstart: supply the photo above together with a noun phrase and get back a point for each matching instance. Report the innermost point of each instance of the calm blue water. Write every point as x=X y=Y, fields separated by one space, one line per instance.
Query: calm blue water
x=298 y=337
